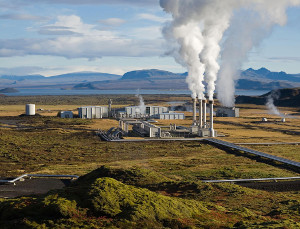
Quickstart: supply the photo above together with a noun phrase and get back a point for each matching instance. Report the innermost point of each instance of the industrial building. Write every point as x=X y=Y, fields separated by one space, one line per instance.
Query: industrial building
x=66 y=114
x=170 y=116
x=141 y=112
x=228 y=112
x=93 y=112
x=202 y=126
x=155 y=112
x=146 y=129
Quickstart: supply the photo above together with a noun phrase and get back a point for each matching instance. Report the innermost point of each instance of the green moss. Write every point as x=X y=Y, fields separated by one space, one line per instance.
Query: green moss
x=272 y=224
x=59 y=207
x=113 y=198
x=118 y=198
x=133 y=176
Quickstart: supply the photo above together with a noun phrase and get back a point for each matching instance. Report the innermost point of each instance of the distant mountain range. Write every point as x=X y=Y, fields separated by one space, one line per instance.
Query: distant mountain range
x=261 y=79
x=58 y=81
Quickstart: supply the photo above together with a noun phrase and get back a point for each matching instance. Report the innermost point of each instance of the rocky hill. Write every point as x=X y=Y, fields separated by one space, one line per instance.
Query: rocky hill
x=285 y=98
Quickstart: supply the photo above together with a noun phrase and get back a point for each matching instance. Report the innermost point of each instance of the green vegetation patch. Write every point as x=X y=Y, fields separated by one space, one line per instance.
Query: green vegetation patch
x=113 y=198
x=139 y=198
x=133 y=176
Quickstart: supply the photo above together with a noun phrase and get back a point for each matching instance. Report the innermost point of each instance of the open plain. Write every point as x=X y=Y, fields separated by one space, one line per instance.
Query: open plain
x=47 y=144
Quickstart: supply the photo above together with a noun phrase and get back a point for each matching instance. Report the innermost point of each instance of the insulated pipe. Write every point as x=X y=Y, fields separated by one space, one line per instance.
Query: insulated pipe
x=211 y=107
x=200 y=114
x=204 y=112
x=194 y=111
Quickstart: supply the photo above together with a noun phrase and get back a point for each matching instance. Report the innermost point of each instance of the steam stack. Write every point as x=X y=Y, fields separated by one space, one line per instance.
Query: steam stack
x=194 y=111
x=200 y=114
x=204 y=112
x=109 y=108
x=200 y=125
x=211 y=126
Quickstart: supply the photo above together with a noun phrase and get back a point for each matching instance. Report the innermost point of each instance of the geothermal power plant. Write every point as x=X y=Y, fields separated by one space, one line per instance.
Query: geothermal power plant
x=201 y=125
x=143 y=123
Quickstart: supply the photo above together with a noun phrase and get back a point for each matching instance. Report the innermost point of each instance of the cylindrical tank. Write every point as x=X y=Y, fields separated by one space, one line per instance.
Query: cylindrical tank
x=30 y=109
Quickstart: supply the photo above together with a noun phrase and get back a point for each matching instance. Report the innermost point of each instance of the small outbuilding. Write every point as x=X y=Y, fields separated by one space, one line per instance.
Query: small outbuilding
x=170 y=116
x=228 y=112
x=93 y=112
x=66 y=114
x=147 y=111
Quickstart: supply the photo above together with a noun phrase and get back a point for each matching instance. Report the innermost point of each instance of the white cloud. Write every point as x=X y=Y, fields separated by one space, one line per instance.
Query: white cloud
x=150 y=32
x=22 y=17
x=112 y=21
x=18 y=71
x=101 y=2
x=80 y=40
x=151 y=17
x=17 y=3
x=285 y=59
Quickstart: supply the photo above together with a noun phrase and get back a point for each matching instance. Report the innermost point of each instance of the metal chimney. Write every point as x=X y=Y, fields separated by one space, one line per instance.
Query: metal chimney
x=200 y=114
x=109 y=108
x=211 y=129
x=204 y=112
x=194 y=111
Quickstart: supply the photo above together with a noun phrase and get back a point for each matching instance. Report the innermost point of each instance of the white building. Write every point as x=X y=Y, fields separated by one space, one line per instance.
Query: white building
x=170 y=116
x=66 y=114
x=93 y=112
x=147 y=129
x=148 y=111
x=228 y=112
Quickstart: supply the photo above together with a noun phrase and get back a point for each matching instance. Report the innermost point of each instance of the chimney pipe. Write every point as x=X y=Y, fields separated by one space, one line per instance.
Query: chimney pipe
x=211 y=129
x=204 y=112
x=200 y=114
x=194 y=111
x=109 y=108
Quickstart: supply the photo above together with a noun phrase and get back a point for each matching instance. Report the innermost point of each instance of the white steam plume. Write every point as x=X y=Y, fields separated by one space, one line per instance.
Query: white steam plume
x=270 y=104
x=198 y=27
x=142 y=106
x=189 y=38
x=197 y=30
x=274 y=95
x=253 y=22
x=214 y=29
x=185 y=31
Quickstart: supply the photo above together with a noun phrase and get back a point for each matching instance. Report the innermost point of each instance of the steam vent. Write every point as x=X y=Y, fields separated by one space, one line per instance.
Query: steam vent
x=202 y=126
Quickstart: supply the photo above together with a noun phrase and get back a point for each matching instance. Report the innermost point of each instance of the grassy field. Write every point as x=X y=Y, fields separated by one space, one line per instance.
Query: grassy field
x=48 y=144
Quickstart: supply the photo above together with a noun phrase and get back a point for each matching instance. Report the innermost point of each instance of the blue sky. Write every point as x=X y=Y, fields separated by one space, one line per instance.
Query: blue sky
x=51 y=37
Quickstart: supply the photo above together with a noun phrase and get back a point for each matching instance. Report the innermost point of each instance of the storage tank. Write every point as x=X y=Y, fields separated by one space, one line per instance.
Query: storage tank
x=30 y=109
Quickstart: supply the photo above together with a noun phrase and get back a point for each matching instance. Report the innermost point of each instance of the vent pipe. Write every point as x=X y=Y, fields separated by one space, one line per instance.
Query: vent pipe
x=211 y=126
x=194 y=111
x=109 y=108
x=200 y=114
x=204 y=112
